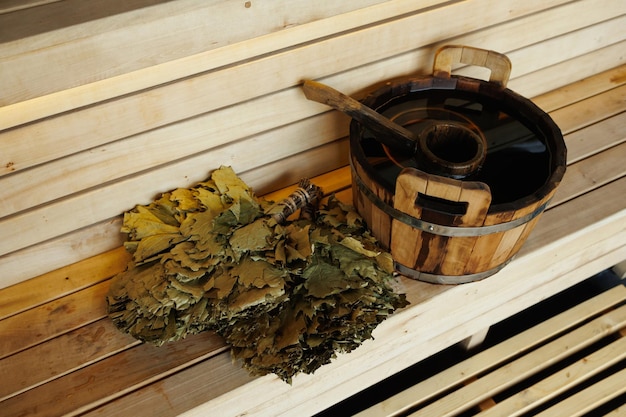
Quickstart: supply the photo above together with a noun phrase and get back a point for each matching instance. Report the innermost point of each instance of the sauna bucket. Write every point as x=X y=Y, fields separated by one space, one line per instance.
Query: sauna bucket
x=488 y=163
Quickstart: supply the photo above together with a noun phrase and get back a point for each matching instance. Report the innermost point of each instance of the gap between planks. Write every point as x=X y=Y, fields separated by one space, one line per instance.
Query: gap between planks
x=54 y=215
x=489 y=359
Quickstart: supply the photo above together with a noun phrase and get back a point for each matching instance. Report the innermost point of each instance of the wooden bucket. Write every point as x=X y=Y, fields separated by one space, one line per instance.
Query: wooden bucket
x=446 y=226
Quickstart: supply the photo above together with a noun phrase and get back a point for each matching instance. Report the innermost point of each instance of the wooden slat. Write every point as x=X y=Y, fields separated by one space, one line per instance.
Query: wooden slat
x=560 y=382
x=534 y=274
x=93 y=51
x=583 y=89
x=191 y=97
x=591 y=173
x=99 y=204
x=62 y=251
x=105 y=236
x=520 y=369
x=586 y=400
x=91 y=168
x=52 y=219
x=241 y=51
x=122 y=84
x=52 y=319
x=59 y=283
x=528 y=60
x=569 y=71
x=492 y=357
x=578 y=213
x=94 y=165
x=613 y=28
x=60 y=356
x=591 y=110
x=123 y=372
x=9 y=6
x=45 y=24
x=178 y=393
x=596 y=138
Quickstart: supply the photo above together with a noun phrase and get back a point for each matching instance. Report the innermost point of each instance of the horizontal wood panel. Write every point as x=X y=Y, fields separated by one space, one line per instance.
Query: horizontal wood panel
x=184 y=390
x=88 y=169
x=189 y=93
x=9 y=6
x=597 y=394
x=552 y=231
x=104 y=235
x=98 y=204
x=61 y=282
x=194 y=64
x=496 y=357
x=597 y=137
x=66 y=353
x=112 y=120
x=115 y=41
x=592 y=172
x=168 y=72
x=111 y=376
x=64 y=250
x=350 y=374
x=52 y=319
x=93 y=240
x=531 y=363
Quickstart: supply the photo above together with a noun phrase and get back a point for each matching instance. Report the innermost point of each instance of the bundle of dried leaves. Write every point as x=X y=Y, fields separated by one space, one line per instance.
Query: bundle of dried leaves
x=286 y=297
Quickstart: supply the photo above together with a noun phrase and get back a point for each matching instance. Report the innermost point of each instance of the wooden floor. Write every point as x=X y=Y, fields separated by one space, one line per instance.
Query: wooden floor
x=61 y=355
x=551 y=359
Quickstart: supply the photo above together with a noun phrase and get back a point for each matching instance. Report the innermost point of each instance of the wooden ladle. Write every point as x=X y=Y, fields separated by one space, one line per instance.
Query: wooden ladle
x=442 y=147
x=385 y=131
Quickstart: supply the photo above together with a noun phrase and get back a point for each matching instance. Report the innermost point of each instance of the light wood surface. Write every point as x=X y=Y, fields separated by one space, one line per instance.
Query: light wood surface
x=117 y=104
x=133 y=175
x=514 y=359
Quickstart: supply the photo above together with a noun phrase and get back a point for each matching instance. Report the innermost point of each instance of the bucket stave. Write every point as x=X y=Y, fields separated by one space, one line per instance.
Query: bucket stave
x=451 y=230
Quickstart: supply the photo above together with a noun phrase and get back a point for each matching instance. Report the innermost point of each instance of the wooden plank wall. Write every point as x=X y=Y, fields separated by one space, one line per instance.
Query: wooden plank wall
x=104 y=106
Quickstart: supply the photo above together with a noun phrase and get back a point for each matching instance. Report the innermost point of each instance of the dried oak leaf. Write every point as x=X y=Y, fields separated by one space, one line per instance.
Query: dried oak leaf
x=286 y=298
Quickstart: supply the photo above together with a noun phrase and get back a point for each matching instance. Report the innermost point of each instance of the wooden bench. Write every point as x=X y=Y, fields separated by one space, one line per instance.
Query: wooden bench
x=103 y=108
x=567 y=365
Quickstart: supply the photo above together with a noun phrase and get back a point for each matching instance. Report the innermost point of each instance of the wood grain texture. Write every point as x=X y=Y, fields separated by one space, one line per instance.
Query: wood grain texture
x=95 y=384
x=115 y=126
x=155 y=107
x=529 y=364
x=194 y=64
x=175 y=176
x=61 y=282
x=558 y=383
x=492 y=357
x=599 y=393
x=64 y=354
x=52 y=319
x=115 y=42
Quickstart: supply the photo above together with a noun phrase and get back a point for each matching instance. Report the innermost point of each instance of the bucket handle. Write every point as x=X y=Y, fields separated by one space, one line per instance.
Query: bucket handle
x=499 y=64
x=467 y=201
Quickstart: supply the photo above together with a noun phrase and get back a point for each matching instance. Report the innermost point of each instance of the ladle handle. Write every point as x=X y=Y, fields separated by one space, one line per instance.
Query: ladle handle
x=386 y=131
x=499 y=64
